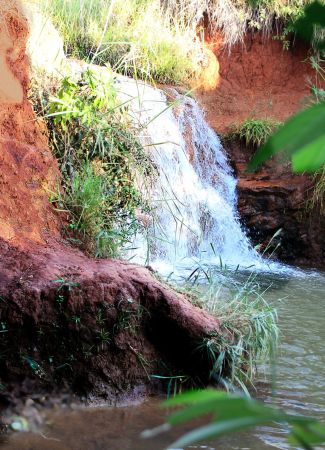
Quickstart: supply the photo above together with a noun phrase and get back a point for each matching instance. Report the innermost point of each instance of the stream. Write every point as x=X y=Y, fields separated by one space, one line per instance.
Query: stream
x=300 y=384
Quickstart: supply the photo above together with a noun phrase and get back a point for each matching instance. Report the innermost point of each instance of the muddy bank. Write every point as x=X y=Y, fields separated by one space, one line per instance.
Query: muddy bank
x=100 y=328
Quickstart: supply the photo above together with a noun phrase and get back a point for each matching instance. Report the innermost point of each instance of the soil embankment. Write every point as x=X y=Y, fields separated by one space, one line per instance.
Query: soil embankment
x=97 y=327
x=28 y=170
x=259 y=79
x=100 y=327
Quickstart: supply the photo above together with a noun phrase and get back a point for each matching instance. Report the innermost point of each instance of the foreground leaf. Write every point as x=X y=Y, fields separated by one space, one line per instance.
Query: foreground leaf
x=231 y=413
x=307 y=434
x=302 y=138
x=223 y=407
x=217 y=429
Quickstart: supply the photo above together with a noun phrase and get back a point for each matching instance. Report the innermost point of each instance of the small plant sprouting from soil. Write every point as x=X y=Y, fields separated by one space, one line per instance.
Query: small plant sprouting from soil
x=129 y=316
x=65 y=283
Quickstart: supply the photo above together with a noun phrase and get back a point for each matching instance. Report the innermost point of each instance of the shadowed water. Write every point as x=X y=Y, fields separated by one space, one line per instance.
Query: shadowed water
x=299 y=388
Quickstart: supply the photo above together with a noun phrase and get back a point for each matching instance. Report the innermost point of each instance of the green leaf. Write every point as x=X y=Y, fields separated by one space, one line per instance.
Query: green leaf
x=195 y=396
x=232 y=413
x=217 y=429
x=311 y=157
x=305 y=133
x=226 y=409
x=222 y=405
x=192 y=412
x=307 y=433
x=305 y=26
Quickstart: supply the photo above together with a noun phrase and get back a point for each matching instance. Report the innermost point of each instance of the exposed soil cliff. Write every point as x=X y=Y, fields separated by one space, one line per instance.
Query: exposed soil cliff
x=100 y=327
x=261 y=80
x=28 y=170
x=257 y=79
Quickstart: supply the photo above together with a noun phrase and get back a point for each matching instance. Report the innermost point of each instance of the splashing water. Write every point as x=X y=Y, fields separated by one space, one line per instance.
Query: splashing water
x=194 y=194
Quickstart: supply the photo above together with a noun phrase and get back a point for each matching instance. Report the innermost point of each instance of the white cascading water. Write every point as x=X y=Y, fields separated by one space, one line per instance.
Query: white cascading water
x=194 y=194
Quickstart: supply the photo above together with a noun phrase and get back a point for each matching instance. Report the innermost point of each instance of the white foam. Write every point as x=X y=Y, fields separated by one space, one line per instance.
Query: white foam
x=194 y=193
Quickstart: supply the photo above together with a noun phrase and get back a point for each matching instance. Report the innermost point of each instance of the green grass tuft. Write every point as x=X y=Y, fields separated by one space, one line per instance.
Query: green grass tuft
x=254 y=132
x=248 y=334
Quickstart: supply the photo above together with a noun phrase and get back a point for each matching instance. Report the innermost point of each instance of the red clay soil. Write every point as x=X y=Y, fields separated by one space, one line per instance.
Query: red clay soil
x=98 y=327
x=28 y=170
x=257 y=79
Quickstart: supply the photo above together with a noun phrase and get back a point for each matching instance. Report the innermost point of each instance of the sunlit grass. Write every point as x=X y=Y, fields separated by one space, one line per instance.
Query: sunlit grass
x=135 y=37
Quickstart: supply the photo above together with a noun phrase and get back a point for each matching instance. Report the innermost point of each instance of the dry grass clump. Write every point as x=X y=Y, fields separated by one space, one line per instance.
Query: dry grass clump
x=235 y=17
x=160 y=39
x=135 y=37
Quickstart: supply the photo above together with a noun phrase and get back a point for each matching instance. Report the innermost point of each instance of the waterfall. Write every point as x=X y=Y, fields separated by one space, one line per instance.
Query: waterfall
x=193 y=196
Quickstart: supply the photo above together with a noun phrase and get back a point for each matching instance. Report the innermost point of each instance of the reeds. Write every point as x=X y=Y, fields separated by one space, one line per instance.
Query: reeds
x=248 y=324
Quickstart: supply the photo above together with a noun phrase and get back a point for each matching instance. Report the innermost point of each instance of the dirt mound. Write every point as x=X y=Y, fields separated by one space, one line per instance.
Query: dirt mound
x=100 y=327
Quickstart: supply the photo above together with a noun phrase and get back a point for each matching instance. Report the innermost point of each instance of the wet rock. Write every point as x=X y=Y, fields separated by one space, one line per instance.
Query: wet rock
x=272 y=199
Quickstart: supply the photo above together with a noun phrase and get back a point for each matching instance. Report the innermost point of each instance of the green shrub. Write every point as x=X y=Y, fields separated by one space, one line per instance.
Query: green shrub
x=101 y=161
x=254 y=131
x=85 y=200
